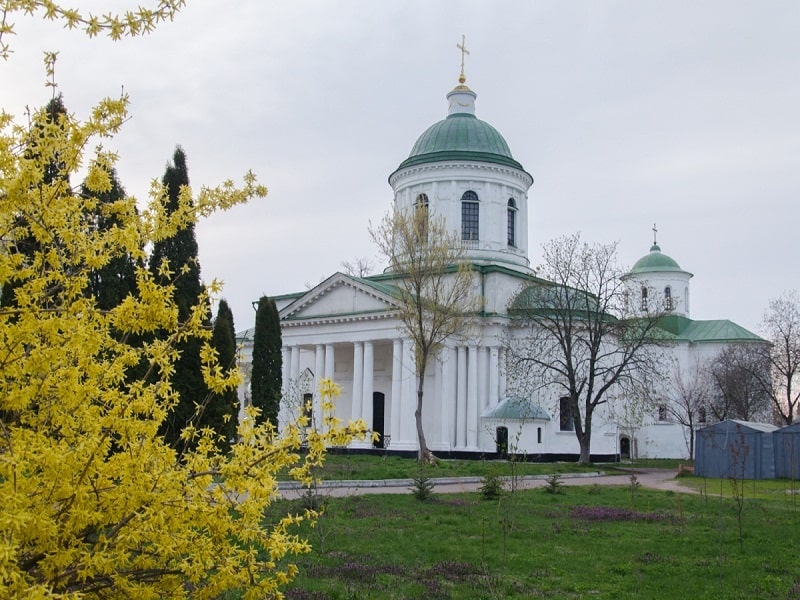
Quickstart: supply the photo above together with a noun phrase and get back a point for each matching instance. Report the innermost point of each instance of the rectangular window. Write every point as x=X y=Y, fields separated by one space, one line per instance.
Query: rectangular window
x=566 y=421
x=469 y=221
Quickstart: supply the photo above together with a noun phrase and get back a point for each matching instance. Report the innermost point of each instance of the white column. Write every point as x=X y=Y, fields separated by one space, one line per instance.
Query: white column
x=286 y=373
x=294 y=369
x=293 y=395
x=483 y=379
x=408 y=428
x=448 y=396
x=358 y=380
x=438 y=386
x=494 y=376
x=502 y=371
x=284 y=409
x=472 y=397
x=397 y=388
x=461 y=398
x=319 y=367
x=330 y=365
x=368 y=387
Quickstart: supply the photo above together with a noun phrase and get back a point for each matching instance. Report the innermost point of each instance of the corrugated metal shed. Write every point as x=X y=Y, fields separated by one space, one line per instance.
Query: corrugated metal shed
x=787 y=451
x=733 y=448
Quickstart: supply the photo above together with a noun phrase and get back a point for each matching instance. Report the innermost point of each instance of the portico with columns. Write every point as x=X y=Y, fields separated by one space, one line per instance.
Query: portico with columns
x=373 y=363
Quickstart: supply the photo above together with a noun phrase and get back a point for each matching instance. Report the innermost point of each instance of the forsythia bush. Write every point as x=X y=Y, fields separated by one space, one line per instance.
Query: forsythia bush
x=93 y=502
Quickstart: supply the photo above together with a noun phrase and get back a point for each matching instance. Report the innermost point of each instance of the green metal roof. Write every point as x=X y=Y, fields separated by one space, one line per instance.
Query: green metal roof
x=655 y=261
x=461 y=136
x=548 y=298
x=383 y=288
x=514 y=407
x=698 y=332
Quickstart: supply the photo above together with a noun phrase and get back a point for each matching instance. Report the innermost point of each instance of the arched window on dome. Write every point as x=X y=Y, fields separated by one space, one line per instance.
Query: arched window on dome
x=512 y=223
x=470 y=212
x=421 y=206
x=668 y=298
x=644 y=298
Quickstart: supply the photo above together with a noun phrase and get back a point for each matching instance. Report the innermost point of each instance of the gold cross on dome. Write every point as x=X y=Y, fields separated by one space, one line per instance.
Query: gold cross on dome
x=463 y=47
x=655 y=231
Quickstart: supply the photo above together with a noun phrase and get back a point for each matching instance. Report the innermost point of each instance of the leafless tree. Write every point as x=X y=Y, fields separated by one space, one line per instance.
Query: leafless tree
x=437 y=294
x=781 y=324
x=577 y=337
x=688 y=404
x=359 y=267
x=736 y=375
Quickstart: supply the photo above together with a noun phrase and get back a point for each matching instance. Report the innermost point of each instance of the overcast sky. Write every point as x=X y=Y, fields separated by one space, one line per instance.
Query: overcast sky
x=684 y=114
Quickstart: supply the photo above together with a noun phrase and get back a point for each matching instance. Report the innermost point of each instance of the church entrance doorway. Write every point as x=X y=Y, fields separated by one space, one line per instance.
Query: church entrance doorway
x=378 y=403
x=624 y=447
x=502 y=441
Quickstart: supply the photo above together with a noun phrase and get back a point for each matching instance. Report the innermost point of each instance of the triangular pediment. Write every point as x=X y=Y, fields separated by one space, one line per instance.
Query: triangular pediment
x=341 y=297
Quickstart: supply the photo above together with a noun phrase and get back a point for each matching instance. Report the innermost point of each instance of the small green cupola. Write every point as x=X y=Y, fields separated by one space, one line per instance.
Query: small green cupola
x=657 y=283
x=655 y=261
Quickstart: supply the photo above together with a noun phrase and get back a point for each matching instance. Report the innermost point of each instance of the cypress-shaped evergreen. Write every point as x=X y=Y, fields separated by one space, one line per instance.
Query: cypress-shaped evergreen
x=111 y=283
x=221 y=412
x=265 y=381
x=54 y=184
x=181 y=252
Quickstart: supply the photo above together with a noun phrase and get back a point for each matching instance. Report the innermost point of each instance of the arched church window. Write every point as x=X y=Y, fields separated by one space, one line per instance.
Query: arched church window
x=512 y=223
x=644 y=298
x=308 y=411
x=668 y=298
x=421 y=206
x=469 y=216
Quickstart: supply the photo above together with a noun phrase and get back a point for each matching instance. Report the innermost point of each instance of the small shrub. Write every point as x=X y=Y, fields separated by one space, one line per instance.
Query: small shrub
x=492 y=487
x=554 y=484
x=423 y=487
x=313 y=500
x=633 y=487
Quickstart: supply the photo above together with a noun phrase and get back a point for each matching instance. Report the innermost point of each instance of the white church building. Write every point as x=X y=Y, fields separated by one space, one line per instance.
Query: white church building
x=346 y=328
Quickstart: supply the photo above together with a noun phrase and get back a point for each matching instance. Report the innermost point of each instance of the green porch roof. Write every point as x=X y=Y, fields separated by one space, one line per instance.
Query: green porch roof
x=698 y=332
x=516 y=408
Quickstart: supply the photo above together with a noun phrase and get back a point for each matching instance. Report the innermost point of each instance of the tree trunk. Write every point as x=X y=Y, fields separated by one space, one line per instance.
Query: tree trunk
x=583 y=431
x=585 y=455
x=424 y=456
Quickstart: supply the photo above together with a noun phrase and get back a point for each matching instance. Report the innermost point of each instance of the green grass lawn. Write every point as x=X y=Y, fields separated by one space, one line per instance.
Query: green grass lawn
x=589 y=542
x=362 y=466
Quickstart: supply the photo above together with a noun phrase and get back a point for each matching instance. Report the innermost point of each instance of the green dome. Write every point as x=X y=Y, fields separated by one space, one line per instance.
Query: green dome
x=461 y=136
x=655 y=261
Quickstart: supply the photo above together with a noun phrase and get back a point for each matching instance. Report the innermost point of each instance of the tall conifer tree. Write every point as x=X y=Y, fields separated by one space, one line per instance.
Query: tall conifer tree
x=180 y=251
x=53 y=183
x=265 y=382
x=221 y=413
x=112 y=282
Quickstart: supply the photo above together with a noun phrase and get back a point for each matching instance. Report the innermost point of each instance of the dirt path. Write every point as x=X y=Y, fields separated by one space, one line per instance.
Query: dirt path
x=659 y=479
